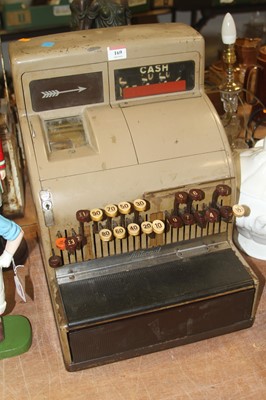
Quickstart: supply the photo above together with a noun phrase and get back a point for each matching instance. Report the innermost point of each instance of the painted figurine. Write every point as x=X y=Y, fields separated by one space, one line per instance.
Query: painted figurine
x=13 y=235
x=251 y=223
x=15 y=330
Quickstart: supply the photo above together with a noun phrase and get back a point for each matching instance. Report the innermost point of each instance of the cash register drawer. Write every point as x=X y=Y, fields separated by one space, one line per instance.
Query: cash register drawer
x=133 y=312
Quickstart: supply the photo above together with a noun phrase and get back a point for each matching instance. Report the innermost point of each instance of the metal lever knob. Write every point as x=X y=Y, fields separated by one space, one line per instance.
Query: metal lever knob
x=196 y=194
x=188 y=218
x=221 y=190
x=212 y=215
x=55 y=261
x=175 y=221
x=71 y=244
x=83 y=216
x=180 y=198
x=61 y=243
x=226 y=213
x=200 y=219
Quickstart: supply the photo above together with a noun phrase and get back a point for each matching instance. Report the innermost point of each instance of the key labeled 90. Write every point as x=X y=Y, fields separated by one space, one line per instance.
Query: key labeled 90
x=96 y=214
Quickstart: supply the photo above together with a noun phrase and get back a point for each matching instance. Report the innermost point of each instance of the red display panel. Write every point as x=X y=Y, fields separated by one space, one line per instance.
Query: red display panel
x=153 y=89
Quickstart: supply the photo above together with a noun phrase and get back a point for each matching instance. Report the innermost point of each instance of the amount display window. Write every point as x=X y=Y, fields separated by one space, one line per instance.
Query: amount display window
x=65 y=133
x=155 y=79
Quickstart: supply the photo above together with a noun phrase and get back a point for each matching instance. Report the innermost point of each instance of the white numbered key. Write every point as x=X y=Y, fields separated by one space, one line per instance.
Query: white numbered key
x=119 y=232
x=124 y=207
x=239 y=210
x=158 y=226
x=96 y=214
x=105 y=235
x=111 y=210
x=140 y=205
x=133 y=229
x=146 y=227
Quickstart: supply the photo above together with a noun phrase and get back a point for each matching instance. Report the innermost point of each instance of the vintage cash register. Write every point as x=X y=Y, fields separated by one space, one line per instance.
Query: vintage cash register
x=133 y=183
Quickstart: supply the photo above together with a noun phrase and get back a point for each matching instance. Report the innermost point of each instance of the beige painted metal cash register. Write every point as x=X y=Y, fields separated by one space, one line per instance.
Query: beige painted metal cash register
x=133 y=183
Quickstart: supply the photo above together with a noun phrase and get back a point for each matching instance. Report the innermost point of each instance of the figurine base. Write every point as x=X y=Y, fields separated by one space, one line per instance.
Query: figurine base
x=17 y=331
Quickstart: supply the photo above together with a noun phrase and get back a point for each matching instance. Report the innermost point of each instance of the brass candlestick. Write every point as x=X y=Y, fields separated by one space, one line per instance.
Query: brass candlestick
x=230 y=88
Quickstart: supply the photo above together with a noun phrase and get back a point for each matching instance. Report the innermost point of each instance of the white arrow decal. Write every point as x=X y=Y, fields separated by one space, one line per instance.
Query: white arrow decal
x=55 y=93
